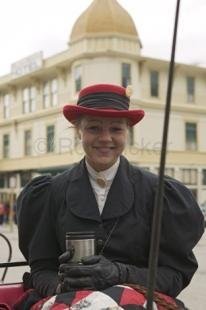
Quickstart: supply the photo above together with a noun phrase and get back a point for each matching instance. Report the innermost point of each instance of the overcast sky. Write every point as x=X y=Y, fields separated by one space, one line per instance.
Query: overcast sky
x=29 y=26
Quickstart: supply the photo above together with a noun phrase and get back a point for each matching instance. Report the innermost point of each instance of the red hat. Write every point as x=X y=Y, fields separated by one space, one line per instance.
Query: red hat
x=103 y=100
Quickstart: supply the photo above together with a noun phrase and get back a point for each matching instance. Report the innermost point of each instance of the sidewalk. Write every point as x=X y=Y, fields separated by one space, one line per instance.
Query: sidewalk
x=194 y=296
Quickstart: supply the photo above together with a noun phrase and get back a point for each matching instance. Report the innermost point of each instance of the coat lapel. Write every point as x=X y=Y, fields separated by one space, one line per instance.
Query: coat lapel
x=120 y=198
x=80 y=197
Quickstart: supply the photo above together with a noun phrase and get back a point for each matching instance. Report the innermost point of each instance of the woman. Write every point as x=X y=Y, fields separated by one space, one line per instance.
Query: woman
x=104 y=193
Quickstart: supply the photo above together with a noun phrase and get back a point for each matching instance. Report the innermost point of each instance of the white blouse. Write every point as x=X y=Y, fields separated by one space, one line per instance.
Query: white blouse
x=101 y=182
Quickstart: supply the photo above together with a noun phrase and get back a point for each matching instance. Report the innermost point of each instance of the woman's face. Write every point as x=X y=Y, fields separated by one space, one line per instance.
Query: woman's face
x=103 y=140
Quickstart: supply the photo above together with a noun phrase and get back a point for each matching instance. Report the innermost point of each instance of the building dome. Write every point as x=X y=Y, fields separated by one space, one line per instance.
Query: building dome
x=101 y=18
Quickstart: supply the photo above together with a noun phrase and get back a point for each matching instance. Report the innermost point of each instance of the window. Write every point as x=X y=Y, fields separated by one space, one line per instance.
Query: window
x=191 y=136
x=2 y=180
x=29 y=99
x=50 y=93
x=204 y=176
x=26 y=100
x=154 y=83
x=126 y=74
x=27 y=143
x=190 y=89
x=32 y=99
x=7 y=106
x=50 y=139
x=78 y=78
x=170 y=172
x=46 y=95
x=189 y=176
x=54 y=92
x=6 y=146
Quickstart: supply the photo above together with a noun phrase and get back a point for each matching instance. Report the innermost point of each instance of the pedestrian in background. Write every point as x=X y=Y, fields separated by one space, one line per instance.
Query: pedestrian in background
x=6 y=212
x=2 y=212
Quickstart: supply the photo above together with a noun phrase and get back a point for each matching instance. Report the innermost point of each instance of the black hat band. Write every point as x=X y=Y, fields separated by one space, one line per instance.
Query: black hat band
x=104 y=101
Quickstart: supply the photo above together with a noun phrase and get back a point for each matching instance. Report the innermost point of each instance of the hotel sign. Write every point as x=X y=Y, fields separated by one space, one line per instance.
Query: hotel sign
x=27 y=65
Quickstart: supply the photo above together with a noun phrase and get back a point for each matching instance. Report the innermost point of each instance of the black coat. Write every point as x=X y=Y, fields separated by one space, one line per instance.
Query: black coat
x=49 y=207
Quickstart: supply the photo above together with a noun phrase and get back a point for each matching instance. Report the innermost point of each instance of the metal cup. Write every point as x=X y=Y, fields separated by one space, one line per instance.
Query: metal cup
x=83 y=244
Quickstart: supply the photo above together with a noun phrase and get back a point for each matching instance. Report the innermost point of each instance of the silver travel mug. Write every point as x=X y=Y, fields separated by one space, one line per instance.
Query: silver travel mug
x=83 y=244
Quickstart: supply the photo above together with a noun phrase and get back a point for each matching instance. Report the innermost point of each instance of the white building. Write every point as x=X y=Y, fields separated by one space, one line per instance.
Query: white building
x=104 y=47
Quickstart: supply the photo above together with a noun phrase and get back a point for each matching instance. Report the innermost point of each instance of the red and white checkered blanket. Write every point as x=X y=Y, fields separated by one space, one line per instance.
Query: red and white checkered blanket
x=119 y=297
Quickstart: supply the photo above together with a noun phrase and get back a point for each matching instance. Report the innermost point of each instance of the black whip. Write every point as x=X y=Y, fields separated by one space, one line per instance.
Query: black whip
x=9 y=257
x=158 y=206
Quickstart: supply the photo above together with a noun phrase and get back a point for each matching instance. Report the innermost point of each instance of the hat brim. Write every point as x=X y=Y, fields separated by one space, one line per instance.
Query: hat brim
x=73 y=112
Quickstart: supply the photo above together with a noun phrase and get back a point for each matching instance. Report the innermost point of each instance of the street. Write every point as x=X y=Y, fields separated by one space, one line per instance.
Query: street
x=194 y=296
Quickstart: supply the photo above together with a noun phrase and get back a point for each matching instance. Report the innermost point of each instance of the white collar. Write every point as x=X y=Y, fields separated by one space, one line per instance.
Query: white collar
x=107 y=174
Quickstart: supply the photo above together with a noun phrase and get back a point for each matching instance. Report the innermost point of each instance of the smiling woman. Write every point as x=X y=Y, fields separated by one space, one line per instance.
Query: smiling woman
x=103 y=140
x=118 y=210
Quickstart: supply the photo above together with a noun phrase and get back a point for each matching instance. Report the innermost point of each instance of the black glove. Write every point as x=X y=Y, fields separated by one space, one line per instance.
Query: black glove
x=67 y=256
x=64 y=260
x=95 y=272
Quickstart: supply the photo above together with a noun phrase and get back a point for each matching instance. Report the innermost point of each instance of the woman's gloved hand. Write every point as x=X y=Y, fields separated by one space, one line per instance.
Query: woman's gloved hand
x=94 y=272
x=67 y=256
x=64 y=259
